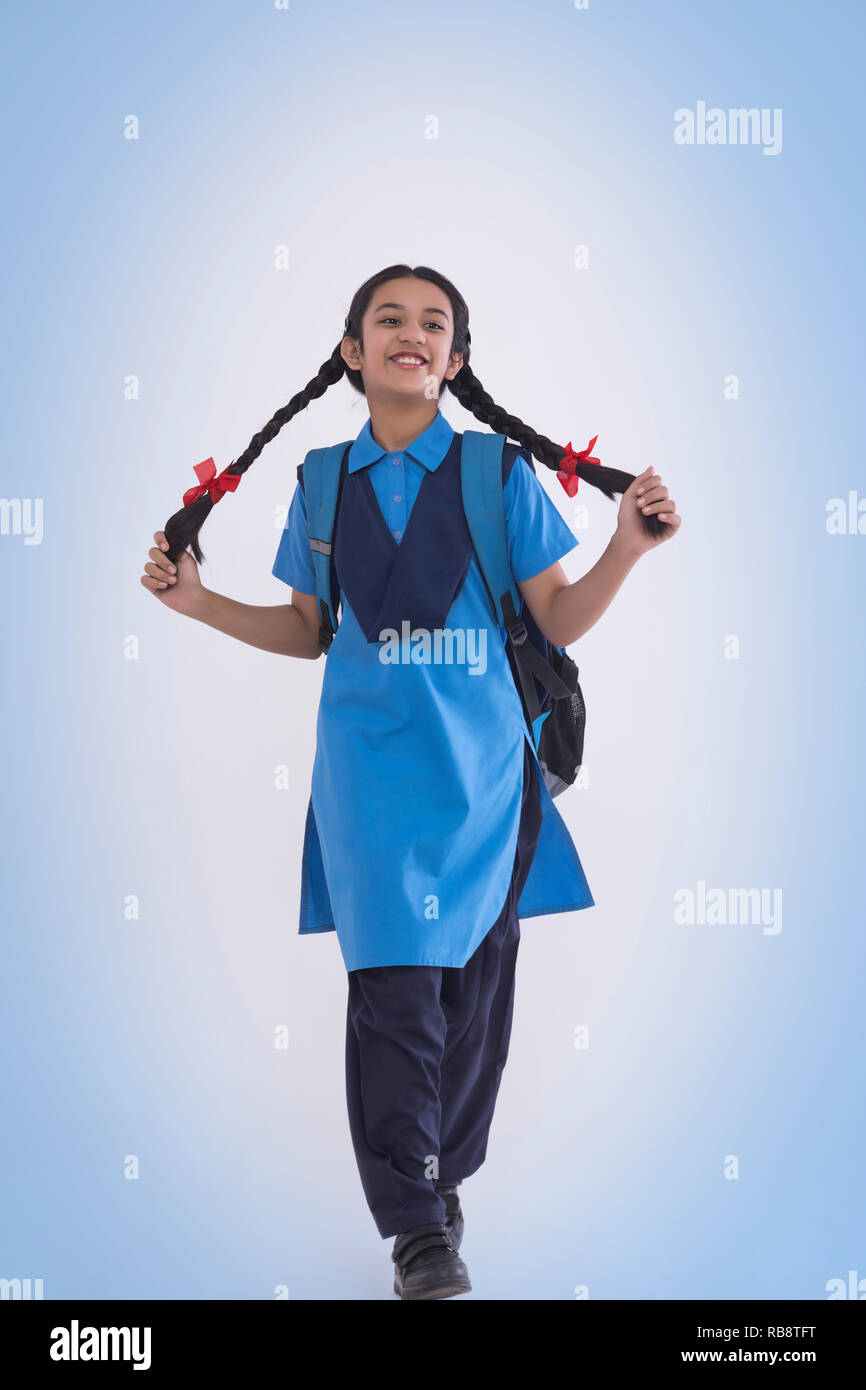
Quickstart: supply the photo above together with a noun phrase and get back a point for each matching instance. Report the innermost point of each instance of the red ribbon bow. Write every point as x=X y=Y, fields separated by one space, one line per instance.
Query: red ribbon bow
x=566 y=474
x=208 y=481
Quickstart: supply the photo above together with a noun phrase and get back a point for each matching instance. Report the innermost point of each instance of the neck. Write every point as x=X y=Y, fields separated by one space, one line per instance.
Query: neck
x=395 y=424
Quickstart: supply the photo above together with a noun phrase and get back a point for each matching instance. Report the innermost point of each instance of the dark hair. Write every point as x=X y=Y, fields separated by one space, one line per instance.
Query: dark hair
x=182 y=529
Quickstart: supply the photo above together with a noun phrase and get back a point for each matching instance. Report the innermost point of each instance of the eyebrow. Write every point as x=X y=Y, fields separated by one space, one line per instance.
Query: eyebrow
x=403 y=306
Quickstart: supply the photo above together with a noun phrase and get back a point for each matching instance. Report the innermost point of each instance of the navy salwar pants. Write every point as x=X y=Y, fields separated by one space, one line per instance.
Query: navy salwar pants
x=425 y=1050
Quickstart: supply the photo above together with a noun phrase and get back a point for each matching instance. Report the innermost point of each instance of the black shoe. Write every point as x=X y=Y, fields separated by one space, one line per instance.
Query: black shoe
x=426 y=1264
x=453 y=1213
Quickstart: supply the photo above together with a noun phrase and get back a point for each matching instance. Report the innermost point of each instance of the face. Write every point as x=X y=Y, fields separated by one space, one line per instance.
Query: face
x=406 y=319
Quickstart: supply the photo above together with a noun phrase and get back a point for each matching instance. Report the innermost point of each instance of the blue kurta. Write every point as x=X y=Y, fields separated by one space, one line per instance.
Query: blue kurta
x=416 y=789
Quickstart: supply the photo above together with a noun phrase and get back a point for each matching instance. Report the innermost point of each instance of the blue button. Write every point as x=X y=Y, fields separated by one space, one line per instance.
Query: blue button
x=398 y=534
x=398 y=497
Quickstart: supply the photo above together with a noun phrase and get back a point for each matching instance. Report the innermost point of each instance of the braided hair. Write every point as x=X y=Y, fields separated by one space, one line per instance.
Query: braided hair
x=182 y=529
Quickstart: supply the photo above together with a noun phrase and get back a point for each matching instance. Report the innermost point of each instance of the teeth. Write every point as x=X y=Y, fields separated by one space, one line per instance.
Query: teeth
x=410 y=359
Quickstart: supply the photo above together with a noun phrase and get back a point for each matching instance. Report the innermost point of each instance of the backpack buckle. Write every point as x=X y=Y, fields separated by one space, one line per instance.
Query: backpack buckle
x=514 y=625
x=326 y=627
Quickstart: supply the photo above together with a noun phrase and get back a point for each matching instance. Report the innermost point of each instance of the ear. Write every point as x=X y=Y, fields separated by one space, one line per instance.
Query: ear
x=350 y=353
x=454 y=366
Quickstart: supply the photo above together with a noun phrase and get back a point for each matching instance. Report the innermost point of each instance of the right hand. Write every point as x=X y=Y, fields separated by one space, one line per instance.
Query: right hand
x=177 y=586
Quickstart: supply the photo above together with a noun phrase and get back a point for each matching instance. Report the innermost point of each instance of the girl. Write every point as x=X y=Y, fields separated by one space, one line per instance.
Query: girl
x=430 y=829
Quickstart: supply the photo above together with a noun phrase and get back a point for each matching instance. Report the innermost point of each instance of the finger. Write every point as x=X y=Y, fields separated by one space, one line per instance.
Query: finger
x=655 y=494
x=154 y=585
x=157 y=573
x=161 y=559
x=159 y=537
x=641 y=480
x=655 y=508
x=647 y=483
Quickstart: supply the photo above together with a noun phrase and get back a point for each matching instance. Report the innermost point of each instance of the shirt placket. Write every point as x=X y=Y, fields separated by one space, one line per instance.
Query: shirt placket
x=396 y=495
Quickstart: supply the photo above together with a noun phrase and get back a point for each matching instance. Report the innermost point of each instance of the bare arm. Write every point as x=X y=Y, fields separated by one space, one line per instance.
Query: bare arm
x=566 y=611
x=290 y=629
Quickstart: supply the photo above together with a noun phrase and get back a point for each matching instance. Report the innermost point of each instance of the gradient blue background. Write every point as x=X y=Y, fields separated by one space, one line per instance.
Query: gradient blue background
x=143 y=750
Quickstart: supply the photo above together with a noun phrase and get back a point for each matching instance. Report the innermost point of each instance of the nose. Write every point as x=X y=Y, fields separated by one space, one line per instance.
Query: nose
x=412 y=333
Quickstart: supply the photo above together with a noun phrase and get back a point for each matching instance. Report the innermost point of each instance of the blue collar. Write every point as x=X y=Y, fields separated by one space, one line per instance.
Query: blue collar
x=429 y=448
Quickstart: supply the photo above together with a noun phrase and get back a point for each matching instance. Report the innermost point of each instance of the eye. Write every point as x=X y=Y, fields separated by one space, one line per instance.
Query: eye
x=430 y=324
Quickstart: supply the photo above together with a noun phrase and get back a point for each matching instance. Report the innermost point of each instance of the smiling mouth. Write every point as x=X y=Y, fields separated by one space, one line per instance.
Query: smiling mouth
x=409 y=361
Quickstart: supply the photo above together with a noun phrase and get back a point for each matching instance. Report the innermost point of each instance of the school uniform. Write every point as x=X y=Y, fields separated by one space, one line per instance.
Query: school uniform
x=429 y=828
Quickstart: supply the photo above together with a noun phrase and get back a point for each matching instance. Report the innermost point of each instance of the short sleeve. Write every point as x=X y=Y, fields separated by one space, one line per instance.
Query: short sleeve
x=293 y=563
x=537 y=534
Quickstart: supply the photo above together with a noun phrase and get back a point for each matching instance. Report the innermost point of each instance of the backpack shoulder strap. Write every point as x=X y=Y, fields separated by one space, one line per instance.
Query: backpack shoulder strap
x=321 y=482
x=482 y=487
x=484 y=506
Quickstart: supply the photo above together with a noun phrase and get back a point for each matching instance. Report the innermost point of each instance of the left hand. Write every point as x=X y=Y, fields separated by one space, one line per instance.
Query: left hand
x=646 y=496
